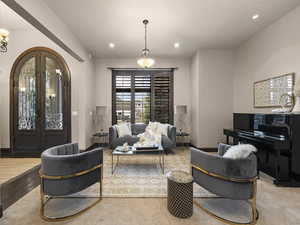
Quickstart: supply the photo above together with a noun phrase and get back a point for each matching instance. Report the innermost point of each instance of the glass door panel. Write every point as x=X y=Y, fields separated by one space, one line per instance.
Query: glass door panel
x=53 y=96
x=27 y=96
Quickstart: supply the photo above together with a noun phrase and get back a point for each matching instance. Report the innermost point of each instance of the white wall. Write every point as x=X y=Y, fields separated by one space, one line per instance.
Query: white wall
x=273 y=51
x=194 y=91
x=204 y=84
x=104 y=82
x=212 y=91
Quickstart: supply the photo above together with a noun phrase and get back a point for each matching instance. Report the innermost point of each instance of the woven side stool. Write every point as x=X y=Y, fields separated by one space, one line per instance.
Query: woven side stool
x=180 y=194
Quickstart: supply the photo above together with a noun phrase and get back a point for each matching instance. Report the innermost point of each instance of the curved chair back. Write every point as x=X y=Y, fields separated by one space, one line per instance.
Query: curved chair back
x=229 y=178
x=65 y=170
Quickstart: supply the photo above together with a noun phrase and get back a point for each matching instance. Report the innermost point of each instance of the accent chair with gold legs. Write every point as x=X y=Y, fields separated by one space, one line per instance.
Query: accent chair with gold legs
x=233 y=179
x=65 y=171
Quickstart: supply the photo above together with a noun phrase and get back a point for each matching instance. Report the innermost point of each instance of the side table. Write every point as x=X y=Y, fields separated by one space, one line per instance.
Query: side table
x=183 y=136
x=180 y=194
x=101 y=138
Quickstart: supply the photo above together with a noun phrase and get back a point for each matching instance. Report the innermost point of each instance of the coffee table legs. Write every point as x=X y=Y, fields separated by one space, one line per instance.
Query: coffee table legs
x=113 y=169
x=162 y=161
x=161 y=156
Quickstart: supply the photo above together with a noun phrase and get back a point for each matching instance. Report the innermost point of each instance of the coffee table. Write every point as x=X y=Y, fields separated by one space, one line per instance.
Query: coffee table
x=133 y=151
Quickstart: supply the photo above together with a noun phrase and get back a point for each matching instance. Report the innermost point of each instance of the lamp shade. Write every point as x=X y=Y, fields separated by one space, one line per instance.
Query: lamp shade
x=181 y=117
x=4 y=32
x=101 y=118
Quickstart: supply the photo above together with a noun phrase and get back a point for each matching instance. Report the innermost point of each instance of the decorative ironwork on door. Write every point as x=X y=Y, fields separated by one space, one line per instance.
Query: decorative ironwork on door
x=53 y=96
x=40 y=101
x=27 y=96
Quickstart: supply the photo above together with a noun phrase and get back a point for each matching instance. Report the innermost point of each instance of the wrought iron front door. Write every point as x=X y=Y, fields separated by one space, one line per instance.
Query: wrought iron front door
x=41 y=101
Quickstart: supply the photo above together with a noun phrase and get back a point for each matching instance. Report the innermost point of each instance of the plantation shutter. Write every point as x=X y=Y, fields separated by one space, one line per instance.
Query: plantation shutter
x=140 y=96
x=121 y=105
x=162 y=97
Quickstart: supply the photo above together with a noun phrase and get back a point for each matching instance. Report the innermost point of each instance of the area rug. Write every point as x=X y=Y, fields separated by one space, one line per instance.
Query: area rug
x=141 y=176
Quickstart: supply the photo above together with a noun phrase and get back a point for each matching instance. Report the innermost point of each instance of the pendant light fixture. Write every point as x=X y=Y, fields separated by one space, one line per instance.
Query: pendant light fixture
x=145 y=61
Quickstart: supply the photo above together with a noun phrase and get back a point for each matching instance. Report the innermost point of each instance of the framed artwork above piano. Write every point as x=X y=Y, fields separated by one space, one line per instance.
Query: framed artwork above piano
x=268 y=93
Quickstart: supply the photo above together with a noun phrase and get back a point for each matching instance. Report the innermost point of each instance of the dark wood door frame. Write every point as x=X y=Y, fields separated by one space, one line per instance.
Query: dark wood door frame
x=38 y=52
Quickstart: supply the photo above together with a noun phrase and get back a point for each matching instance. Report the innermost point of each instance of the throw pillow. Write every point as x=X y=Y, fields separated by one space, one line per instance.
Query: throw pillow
x=164 y=128
x=123 y=129
x=239 y=151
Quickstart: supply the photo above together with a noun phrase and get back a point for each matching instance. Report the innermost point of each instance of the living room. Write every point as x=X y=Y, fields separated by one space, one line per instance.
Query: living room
x=157 y=91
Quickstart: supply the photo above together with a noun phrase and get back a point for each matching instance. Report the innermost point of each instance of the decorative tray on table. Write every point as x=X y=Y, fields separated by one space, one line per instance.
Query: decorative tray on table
x=146 y=147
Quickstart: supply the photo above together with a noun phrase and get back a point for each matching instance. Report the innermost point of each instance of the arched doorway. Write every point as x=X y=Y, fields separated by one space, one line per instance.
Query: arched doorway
x=40 y=101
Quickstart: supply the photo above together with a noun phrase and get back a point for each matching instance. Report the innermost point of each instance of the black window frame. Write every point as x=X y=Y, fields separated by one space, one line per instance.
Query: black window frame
x=155 y=76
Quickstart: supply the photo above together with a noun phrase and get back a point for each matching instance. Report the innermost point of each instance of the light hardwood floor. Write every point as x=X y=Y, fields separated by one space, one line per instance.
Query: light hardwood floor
x=11 y=167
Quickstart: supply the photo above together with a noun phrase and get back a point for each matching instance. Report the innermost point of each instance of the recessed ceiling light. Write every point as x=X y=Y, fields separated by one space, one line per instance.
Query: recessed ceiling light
x=176 y=45
x=111 y=45
x=255 y=16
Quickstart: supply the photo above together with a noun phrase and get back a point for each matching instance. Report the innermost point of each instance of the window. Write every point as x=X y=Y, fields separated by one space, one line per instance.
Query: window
x=123 y=98
x=142 y=96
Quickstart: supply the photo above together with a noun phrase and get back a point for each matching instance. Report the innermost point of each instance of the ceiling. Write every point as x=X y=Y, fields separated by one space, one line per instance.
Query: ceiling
x=11 y=20
x=194 y=23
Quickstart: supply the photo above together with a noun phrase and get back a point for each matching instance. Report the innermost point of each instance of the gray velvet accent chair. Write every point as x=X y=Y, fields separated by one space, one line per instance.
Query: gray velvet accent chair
x=65 y=171
x=168 y=142
x=231 y=179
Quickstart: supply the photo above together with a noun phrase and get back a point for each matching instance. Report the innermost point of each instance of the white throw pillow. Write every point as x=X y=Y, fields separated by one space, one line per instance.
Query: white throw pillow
x=239 y=151
x=164 y=129
x=124 y=129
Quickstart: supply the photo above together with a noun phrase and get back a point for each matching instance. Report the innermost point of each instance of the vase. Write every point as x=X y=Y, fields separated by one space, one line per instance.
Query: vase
x=296 y=108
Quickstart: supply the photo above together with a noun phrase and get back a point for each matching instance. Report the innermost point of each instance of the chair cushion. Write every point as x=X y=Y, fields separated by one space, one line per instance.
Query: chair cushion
x=138 y=128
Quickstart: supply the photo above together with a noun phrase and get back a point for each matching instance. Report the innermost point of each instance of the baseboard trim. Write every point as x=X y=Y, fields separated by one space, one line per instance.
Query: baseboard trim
x=205 y=149
x=8 y=153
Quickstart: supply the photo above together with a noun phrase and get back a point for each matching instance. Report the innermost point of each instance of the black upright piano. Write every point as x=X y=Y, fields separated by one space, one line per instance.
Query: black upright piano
x=277 y=138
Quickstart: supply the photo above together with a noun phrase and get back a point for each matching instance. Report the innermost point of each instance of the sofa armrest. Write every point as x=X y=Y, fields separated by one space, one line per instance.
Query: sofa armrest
x=225 y=167
x=62 y=165
x=172 y=134
x=113 y=135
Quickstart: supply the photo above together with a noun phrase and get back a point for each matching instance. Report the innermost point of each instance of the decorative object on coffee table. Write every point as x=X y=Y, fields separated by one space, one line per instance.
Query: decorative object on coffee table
x=131 y=150
x=180 y=194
